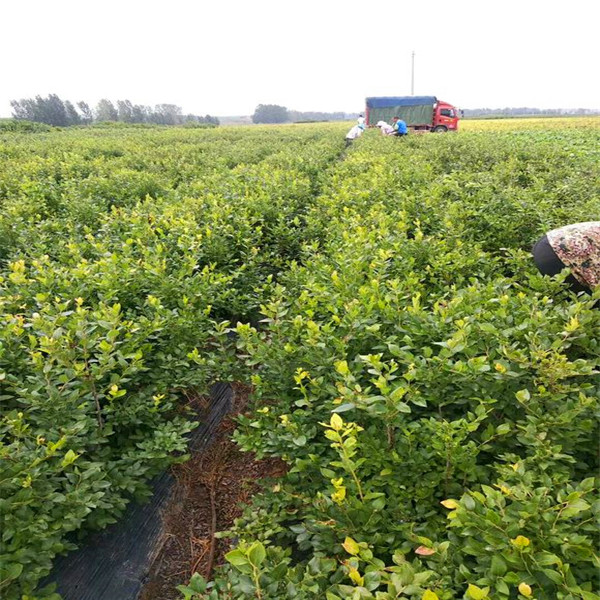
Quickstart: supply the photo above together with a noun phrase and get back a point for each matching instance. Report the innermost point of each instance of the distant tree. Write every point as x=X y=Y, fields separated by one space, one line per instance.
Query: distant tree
x=166 y=114
x=73 y=117
x=54 y=111
x=86 y=112
x=297 y=116
x=106 y=111
x=139 y=113
x=270 y=113
x=206 y=120
x=125 y=111
x=50 y=110
x=24 y=109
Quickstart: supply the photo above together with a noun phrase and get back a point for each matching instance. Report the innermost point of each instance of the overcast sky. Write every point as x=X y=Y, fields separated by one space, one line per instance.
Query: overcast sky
x=224 y=57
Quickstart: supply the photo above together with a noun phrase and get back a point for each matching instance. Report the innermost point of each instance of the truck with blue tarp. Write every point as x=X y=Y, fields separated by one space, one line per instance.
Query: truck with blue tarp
x=420 y=113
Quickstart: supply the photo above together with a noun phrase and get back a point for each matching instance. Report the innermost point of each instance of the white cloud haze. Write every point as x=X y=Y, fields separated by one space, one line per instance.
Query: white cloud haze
x=224 y=58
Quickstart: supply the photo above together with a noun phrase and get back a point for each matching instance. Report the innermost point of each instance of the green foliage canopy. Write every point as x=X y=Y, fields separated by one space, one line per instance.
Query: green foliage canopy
x=270 y=113
x=434 y=397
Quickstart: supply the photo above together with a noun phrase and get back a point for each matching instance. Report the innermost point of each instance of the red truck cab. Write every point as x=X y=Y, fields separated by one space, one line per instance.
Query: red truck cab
x=445 y=117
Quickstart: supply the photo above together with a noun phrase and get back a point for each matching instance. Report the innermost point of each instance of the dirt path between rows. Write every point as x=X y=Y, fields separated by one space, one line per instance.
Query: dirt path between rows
x=210 y=491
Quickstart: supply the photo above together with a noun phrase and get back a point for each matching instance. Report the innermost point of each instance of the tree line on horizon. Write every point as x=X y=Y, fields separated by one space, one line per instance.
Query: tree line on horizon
x=52 y=110
x=527 y=111
x=274 y=113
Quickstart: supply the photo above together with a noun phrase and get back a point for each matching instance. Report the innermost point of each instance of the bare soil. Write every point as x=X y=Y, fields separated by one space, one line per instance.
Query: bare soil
x=210 y=492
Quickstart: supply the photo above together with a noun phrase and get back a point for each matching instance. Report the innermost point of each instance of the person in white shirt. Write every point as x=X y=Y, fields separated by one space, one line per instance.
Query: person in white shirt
x=361 y=121
x=354 y=133
x=386 y=128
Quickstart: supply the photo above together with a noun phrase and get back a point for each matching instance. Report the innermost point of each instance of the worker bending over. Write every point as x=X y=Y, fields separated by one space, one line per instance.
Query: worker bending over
x=386 y=128
x=399 y=127
x=354 y=133
x=576 y=247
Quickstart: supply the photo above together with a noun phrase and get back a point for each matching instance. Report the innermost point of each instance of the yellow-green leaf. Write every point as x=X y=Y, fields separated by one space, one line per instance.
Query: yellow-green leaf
x=342 y=367
x=355 y=576
x=69 y=458
x=450 y=504
x=525 y=589
x=429 y=595
x=477 y=593
x=350 y=546
x=521 y=541
x=336 y=422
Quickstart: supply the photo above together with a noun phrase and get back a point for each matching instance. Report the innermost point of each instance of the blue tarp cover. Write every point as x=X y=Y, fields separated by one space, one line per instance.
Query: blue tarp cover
x=389 y=101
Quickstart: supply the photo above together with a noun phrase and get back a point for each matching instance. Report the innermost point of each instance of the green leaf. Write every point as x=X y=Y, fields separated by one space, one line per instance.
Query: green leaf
x=418 y=400
x=236 y=558
x=257 y=554
x=501 y=587
x=512 y=578
x=69 y=458
x=574 y=508
x=11 y=571
x=197 y=583
x=587 y=485
x=187 y=591
x=498 y=566
x=398 y=393
x=279 y=572
x=468 y=502
x=344 y=407
x=523 y=395
x=553 y=576
x=546 y=558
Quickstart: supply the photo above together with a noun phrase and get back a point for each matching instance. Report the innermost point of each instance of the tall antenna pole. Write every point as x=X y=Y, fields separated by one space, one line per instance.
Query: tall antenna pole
x=412 y=75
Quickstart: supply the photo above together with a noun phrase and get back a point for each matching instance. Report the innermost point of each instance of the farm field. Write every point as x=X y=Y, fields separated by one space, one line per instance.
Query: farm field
x=434 y=397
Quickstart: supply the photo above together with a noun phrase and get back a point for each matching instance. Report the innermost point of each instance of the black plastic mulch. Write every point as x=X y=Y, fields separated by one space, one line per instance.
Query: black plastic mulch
x=114 y=564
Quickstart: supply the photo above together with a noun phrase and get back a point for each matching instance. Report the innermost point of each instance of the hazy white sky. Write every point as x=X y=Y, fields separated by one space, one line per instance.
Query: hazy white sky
x=224 y=57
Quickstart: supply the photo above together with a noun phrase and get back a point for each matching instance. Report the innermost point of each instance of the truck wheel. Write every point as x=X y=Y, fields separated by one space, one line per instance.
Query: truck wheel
x=440 y=129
